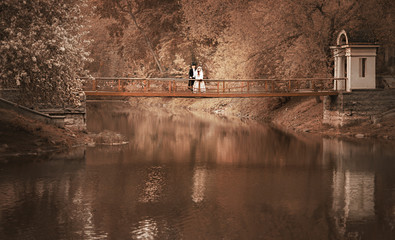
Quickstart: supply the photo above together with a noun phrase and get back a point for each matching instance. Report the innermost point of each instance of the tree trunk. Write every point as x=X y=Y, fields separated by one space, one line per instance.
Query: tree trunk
x=145 y=36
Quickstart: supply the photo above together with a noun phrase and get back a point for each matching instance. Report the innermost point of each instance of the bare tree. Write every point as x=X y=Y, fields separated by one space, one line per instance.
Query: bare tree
x=117 y=9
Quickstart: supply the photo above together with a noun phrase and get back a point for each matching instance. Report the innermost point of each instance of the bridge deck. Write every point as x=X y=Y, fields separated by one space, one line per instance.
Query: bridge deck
x=176 y=87
x=208 y=95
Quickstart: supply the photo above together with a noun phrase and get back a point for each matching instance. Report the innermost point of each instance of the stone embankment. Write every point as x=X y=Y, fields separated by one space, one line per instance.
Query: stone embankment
x=72 y=118
x=359 y=106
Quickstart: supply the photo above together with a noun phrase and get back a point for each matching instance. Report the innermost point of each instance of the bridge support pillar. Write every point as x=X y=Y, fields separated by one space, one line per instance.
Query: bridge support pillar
x=360 y=105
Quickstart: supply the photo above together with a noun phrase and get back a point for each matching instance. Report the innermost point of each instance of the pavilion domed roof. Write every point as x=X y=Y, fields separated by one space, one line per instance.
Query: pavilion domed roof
x=352 y=36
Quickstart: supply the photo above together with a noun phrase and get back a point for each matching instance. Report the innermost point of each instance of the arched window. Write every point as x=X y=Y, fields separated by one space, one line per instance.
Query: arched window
x=342 y=38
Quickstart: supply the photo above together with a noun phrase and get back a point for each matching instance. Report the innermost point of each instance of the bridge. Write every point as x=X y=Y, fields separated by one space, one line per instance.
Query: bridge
x=215 y=88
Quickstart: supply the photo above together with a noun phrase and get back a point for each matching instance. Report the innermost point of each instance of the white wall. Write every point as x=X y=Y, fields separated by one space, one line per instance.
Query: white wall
x=355 y=81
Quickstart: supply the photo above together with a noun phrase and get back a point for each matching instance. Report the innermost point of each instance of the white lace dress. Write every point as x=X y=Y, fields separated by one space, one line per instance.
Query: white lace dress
x=199 y=80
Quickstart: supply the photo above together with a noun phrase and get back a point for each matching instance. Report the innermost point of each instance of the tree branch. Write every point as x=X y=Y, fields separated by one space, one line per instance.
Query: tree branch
x=129 y=10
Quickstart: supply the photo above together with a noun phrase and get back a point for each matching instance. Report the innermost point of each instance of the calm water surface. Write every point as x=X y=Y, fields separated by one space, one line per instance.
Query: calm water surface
x=188 y=176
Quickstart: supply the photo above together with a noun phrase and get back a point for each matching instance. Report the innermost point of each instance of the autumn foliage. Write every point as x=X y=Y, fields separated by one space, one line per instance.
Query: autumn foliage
x=42 y=50
x=231 y=38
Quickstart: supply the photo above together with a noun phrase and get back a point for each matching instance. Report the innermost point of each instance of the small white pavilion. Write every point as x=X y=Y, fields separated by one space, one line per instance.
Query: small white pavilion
x=355 y=59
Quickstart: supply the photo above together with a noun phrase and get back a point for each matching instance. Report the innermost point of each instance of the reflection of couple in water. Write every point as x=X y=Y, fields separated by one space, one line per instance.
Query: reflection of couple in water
x=196 y=76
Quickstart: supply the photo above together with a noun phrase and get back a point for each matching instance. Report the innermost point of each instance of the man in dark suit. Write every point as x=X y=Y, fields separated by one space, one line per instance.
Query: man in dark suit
x=192 y=75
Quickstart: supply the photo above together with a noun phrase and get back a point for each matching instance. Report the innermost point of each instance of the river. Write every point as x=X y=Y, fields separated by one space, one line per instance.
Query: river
x=186 y=175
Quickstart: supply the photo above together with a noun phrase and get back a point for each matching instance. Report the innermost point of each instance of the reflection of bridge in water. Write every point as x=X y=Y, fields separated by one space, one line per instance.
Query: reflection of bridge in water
x=215 y=88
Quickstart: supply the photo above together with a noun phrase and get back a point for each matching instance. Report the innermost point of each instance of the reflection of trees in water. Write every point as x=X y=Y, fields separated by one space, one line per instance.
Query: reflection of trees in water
x=231 y=178
x=153 y=186
x=183 y=136
x=38 y=199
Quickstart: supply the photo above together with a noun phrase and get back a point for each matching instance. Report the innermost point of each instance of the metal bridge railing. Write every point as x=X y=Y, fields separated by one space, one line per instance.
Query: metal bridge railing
x=218 y=86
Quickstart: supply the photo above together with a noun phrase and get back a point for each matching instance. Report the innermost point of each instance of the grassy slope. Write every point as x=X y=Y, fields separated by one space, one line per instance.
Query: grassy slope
x=25 y=136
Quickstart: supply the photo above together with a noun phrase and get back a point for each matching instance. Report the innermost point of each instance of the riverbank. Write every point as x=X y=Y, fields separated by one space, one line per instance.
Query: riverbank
x=305 y=115
x=22 y=136
x=298 y=114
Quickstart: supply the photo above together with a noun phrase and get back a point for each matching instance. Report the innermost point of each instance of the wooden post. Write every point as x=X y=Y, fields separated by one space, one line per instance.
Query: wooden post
x=174 y=86
x=265 y=85
x=94 y=85
x=169 y=86
x=145 y=85
x=223 y=87
x=289 y=85
x=119 y=85
x=272 y=85
x=248 y=86
x=218 y=87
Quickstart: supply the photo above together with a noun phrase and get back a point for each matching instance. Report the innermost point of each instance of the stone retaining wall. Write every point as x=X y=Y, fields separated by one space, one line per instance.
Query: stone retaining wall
x=73 y=118
x=55 y=120
x=358 y=106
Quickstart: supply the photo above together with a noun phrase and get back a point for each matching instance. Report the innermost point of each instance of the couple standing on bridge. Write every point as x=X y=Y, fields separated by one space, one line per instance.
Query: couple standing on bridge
x=196 y=82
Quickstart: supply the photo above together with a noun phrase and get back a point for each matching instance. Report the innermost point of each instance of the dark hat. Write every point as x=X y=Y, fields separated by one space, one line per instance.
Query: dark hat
x=193 y=64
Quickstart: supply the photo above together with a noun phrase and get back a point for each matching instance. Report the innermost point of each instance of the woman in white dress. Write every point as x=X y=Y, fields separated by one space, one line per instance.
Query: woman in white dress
x=199 y=81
